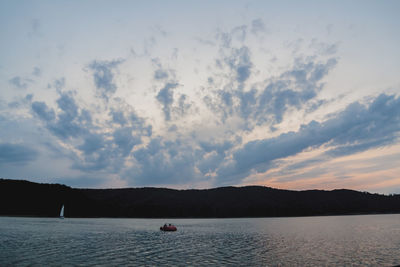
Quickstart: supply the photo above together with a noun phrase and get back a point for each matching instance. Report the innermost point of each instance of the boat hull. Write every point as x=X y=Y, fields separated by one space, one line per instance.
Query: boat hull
x=168 y=228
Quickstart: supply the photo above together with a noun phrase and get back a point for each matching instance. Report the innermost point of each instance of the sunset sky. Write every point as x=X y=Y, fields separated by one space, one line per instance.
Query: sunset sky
x=199 y=94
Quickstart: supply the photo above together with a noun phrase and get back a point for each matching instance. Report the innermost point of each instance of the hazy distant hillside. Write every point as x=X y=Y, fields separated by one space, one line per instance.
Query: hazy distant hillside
x=33 y=199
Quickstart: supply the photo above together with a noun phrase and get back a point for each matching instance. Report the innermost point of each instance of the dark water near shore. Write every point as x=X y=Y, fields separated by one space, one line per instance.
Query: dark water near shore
x=369 y=240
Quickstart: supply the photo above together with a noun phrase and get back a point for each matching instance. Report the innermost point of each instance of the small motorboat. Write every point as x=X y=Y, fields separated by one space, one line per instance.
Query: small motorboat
x=168 y=227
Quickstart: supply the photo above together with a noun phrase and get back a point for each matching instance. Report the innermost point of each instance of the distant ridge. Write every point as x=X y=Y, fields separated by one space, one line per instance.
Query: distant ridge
x=24 y=198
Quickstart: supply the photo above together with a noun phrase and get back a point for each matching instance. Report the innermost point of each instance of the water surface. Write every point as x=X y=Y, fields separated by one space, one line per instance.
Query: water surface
x=368 y=240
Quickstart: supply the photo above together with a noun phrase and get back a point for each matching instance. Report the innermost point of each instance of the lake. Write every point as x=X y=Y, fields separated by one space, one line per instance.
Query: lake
x=367 y=240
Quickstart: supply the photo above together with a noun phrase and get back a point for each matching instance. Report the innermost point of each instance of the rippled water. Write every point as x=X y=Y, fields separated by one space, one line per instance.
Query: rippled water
x=304 y=241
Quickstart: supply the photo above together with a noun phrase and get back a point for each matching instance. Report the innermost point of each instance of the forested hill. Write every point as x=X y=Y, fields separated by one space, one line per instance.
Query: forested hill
x=23 y=198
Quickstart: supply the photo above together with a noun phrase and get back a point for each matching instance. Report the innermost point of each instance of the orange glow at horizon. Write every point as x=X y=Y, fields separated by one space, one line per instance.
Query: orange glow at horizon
x=373 y=171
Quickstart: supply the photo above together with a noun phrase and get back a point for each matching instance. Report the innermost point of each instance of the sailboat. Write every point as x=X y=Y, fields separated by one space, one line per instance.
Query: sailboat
x=62 y=212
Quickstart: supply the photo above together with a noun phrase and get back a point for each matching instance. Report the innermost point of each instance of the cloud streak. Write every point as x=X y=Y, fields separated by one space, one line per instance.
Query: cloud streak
x=19 y=154
x=353 y=130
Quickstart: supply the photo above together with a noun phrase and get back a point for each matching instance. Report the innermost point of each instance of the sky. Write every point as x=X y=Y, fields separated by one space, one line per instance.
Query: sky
x=200 y=94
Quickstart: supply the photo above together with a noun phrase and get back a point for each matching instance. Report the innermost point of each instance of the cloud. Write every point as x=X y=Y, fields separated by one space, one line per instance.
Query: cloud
x=166 y=94
x=236 y=94
x=355 y=129
x=225 y=39
x=239 y=61
x=92 y=143
x=228 y=38
x=36 y=71
x=19 y=82
x=179 y=161
x=213 y=154
x=41 y=110
x=239 y=33
x=183 y=106
x=70 y=122
x=59 y=84
x=103 y=151
x=267 y=102
x=210 y=163
x=110 y=149
x=124 y=139
x=293 y=89
x=258 y=26
x=104 y=78
x=105 y=145
x=20 y=102
x=160 y=74
x=16 y=154
x=163 y=162
x=294 y=167
x=118 y=117
x=219 y=148
x=166 y=98
x=67 y=104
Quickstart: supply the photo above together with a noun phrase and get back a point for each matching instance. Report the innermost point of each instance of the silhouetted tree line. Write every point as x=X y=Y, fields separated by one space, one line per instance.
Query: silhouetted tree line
x=23 y=198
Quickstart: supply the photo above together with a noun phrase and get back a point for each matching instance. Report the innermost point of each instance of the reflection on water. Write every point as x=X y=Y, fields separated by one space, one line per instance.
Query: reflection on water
x=305 y=241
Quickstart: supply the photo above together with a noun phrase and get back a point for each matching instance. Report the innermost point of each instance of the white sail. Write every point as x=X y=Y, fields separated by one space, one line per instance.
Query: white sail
x=62 y=212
